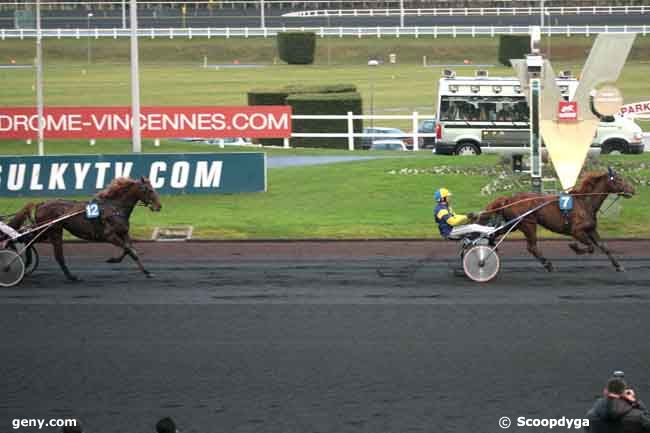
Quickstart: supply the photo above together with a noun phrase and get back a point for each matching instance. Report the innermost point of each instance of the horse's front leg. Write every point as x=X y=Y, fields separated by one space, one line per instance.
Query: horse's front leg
x=124 y=241
x=595 y=238
x=117 y=259
x=530 y=231
x=583 y=239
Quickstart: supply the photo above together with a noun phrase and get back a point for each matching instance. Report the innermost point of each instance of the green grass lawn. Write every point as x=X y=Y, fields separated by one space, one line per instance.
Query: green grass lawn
x=398 y=89
x=368 y=199
x=356 y=199
x=171 y=72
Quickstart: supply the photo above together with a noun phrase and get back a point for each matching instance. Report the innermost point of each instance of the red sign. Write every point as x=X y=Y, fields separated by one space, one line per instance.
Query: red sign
x=567 y=111
x=267 y=121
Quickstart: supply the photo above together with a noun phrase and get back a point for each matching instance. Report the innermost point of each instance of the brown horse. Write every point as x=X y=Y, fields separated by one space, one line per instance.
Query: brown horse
x=580 y=223
x=19 y=218
x=115 y=203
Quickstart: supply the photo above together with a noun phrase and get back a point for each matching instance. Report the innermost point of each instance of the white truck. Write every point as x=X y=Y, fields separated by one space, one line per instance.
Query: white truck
x=490 y=115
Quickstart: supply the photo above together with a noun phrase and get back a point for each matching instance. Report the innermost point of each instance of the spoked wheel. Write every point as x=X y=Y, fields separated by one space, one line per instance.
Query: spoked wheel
x=12 y=268
x=481 y=264
x=32 y=260
x=30 y=256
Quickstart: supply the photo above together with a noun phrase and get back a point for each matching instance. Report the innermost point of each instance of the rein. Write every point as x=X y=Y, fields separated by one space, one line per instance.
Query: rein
x=581 y=194
x=611 y=204
x=50 y=222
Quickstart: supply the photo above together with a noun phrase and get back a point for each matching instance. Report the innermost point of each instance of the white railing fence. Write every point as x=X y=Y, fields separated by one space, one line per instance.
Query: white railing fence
x=340 y=32
x=177 y=4
x=488 y=11
x=414 y=135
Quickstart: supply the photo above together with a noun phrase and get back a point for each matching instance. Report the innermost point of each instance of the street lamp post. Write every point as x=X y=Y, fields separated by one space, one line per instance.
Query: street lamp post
x=371 y=77
x=135 y=80
x=90 y=15
x=124 y=14
x=329 y=46
x=262 y=14
x=549 y=22
x=39 y=81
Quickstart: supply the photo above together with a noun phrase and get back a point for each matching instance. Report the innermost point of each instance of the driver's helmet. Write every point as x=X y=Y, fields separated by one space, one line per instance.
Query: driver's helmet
x=441 y=194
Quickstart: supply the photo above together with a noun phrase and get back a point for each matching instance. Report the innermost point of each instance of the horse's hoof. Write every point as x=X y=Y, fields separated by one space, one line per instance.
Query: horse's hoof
x=620 y=268
x=548 y=267
x=149 y=275
x=459 y=272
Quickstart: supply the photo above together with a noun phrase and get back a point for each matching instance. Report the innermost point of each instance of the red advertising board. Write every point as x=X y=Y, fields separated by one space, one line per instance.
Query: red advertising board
x=567 y=111
x=155 y=122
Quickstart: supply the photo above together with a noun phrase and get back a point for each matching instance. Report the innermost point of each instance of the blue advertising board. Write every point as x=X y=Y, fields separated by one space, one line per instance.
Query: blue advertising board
x=188 y=173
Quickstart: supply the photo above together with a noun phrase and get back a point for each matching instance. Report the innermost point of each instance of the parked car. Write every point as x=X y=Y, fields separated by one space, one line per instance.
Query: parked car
x=381 y=134
x=619 y=134
x=221 y=142
x=491 y=115
x=427 y=126
x=388 y=144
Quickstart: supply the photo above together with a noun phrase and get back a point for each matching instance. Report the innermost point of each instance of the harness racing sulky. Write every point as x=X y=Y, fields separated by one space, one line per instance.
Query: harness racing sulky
x=573 y=213
x=105 y=218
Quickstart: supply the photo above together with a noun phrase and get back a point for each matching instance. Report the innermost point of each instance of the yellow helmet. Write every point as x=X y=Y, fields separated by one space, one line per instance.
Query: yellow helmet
x=441 y=194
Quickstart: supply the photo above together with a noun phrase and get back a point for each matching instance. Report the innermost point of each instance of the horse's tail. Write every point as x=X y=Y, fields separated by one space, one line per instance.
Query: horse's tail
x=25 y=214
x=495 y=208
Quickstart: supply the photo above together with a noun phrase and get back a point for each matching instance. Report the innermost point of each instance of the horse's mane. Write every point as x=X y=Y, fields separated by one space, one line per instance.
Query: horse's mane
x=588 y=182
x=116 y=188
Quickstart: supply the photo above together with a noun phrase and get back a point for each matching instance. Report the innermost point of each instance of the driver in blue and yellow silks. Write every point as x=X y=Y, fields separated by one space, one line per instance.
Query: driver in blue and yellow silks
x=451 y=225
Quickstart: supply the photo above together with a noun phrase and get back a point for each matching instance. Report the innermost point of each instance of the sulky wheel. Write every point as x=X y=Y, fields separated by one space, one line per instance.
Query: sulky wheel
x=28 y=254
x=12 y=268
x=481 y=263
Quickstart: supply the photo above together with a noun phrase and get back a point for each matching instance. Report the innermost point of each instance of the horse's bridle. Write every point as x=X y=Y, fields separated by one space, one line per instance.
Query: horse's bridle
x=612 y=176
x=146 y=192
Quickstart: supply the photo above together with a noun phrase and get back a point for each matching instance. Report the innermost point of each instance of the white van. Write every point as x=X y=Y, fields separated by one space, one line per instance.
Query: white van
x=490 y=115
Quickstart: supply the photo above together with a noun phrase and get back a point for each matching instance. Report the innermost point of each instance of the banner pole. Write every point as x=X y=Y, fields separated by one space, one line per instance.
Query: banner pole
x=135 y=81
x=39 y=80
x=124 y=14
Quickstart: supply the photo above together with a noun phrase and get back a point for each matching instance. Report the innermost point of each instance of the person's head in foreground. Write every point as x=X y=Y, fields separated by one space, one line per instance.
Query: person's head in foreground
x=166 y=425
x=72 y=429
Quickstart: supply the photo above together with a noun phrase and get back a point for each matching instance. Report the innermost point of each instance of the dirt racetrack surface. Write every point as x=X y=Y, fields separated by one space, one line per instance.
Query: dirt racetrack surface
x=325 y=272
x=327 y=249
x=376 y=337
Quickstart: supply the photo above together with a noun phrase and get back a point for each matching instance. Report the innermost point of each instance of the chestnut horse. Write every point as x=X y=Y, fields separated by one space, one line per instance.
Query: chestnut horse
x=579 y=223
x=18 y=219
x=115 y=204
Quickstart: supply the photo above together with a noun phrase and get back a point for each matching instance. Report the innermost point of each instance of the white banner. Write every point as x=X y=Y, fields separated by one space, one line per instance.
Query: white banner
x=636 y=109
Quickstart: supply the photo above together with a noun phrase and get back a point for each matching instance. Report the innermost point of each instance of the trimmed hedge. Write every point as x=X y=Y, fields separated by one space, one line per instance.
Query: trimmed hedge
x=325 y=88
x=267 y=97
x=297 y=48
x=279 y=97
x=513 y=47
x=323 y=104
